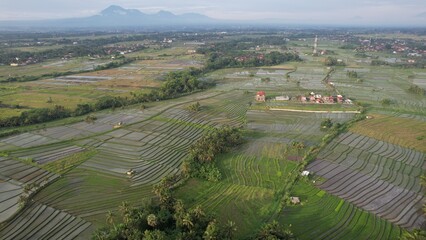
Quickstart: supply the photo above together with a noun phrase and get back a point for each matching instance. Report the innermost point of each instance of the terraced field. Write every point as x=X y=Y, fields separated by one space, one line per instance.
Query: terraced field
x=324 y=216
x=368 y=188
x=151 y=142
x=245 y=195
x=292 y=125
x=47 y=154
x=374 y=175
x=14 y=177
x=253 y=176
x=43 y=222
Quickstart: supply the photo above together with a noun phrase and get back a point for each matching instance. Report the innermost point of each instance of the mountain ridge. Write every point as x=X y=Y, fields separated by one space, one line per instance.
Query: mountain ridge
x=117 y=16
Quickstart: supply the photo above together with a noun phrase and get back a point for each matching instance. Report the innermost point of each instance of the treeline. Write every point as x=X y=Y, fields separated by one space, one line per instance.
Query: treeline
x=84 y=47
x=331 y=61
x=168 y=220
x=201 y=160
x=38 y=115
x=241 y=53
x=242 y=44
x=420 y=63
x=176 y=84
x=218 y=60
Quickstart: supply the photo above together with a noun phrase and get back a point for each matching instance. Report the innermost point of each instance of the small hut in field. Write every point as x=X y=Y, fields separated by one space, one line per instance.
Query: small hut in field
x=295 y=200
x=261 y=96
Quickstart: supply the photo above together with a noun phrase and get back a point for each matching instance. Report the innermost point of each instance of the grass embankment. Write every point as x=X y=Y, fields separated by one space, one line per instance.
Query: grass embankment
x=64 y=165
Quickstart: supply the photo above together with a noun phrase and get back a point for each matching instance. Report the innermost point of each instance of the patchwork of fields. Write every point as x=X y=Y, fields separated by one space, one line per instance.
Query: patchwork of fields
x=365 y=183
x=152 y=142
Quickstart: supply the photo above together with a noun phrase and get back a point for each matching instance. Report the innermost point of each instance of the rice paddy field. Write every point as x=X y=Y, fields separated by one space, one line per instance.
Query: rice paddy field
x=68 y=91
x=364 y=184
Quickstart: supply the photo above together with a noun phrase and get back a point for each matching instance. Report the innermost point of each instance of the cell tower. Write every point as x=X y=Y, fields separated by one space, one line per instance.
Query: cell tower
x=315 y=45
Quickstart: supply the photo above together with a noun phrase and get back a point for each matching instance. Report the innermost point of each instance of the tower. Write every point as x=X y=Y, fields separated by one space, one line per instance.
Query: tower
x=315 y=52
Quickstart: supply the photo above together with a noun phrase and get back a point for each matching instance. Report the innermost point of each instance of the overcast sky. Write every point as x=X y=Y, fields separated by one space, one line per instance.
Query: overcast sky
x=358 y=12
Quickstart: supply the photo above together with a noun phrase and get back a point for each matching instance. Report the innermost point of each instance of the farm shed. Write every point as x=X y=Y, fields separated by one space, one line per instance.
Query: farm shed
x=295 y=200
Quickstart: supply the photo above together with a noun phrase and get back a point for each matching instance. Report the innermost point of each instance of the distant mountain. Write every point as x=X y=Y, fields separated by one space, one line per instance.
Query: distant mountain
x=115 y=10
x=116 y=16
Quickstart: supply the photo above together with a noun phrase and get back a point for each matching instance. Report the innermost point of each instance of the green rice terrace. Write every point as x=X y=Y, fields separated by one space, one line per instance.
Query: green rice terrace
x=323 y=155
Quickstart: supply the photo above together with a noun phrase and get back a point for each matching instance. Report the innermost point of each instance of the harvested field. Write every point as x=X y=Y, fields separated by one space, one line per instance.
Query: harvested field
x=405 y=132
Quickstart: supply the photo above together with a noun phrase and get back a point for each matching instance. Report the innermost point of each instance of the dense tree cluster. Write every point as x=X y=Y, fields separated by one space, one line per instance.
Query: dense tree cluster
x=237 y=46
x=202 y=153
x=417 y=90
x=38 y=115
x=168 y=220
x=195 y=107
x=181 y=82
x=274 y=231
x=326 y=124
x=351 y=74
x=241 y=53
x=220 y=60
x=331 y=61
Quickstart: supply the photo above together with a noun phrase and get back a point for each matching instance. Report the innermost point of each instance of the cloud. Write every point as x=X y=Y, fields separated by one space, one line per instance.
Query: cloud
x=421 y=15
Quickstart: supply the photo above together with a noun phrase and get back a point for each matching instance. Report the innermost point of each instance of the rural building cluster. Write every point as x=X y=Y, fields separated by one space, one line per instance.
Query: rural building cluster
x=311 y=98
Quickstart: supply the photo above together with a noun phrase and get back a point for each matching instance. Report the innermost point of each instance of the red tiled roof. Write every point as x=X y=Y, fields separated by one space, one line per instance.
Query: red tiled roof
x=260 y=93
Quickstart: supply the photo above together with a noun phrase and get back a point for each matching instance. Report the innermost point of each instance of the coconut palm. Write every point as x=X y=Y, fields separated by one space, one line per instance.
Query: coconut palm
x=198 y=212
x=152 y=220
x=416 y=234
x=110 y=218
x=187 y=221
x=212 y=231
x=229 y=230
x=124 y=208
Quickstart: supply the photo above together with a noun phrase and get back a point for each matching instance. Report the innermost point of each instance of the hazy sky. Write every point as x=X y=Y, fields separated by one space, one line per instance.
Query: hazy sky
x=360 y=12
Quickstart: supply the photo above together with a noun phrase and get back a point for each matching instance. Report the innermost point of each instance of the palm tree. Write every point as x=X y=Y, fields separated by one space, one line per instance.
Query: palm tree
x=110 y=218
x=229 y=230
x=198 y=212
x=124 y=208
x=212 y=231
x=416 y=234
x=187 y=221
x=152 y=220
